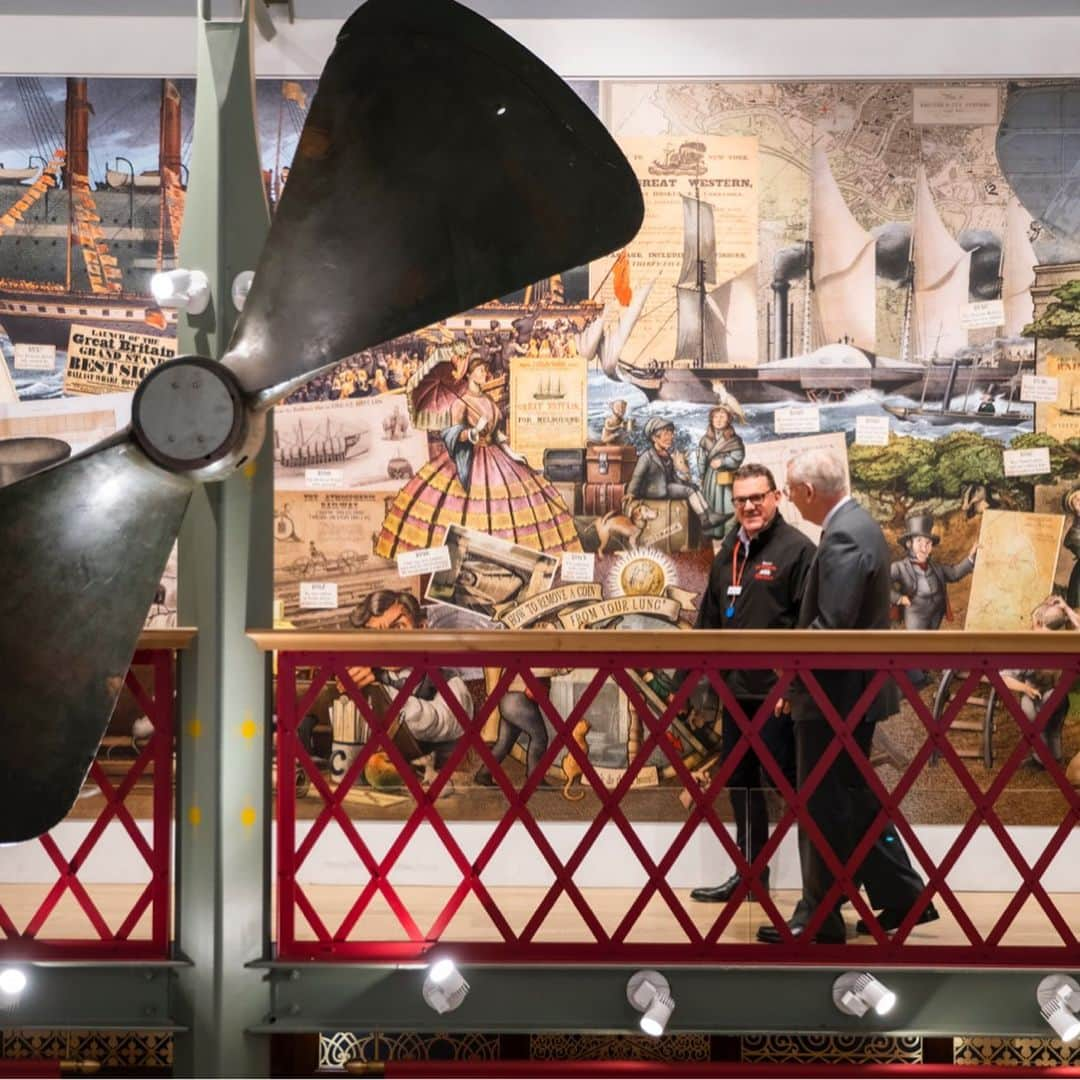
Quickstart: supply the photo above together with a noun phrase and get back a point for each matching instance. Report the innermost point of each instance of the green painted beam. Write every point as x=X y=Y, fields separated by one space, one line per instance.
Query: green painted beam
x=225 y=564
x=95 y=997
x=324 y=997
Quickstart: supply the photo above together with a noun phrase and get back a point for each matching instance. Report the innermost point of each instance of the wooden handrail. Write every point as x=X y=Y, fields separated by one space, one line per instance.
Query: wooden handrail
x=600 y=642
x=175 y=637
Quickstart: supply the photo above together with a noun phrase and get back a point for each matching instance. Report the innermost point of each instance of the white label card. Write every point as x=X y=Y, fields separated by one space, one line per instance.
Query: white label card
x=959 y=105
x=796 y=419
x=1032 y=462
x=578 y=566
x=982 y=314
x=1039 y=388
x=318 y=594
x=424 y=561
x=324 y=479
x=871 y=431
x=35 y=357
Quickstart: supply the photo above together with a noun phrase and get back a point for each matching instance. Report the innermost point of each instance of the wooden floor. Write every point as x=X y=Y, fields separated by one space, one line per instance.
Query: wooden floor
x=564 y=923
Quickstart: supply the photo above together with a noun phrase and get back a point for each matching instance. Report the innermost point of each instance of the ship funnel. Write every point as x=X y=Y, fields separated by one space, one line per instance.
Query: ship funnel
x=780 y=288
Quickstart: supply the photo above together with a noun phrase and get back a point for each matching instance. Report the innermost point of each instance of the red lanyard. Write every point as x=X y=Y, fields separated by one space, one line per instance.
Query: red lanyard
x=737 y=571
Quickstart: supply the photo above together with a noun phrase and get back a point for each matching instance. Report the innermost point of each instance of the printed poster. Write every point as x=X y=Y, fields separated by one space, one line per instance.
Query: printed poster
x=547 y=405
x=1062 y=417
x=103 y=361
x=362 y=443
x=701 y=197
x=327 y=538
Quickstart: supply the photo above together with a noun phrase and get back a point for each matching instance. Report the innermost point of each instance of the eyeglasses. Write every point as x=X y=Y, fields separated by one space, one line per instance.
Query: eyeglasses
x=751 y=500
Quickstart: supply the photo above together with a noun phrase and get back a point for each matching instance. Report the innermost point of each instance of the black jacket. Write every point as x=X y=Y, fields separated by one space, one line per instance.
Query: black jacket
x=772 y=588
x=848 y=589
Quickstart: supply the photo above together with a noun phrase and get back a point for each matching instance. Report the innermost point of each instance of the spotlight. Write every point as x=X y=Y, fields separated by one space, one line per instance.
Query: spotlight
x=241 y=286
x=855 y=993
x=650 y=994
x=12 y=984
x=445 y=987
x=188 y=289
x=1058 y=996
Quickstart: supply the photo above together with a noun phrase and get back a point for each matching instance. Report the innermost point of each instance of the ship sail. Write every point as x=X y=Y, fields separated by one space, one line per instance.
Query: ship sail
x=942 y=270
x=844 y=267
x=614 y=342
x=699 y=242
x=723 y=330
x=1017 y=269
x=588 y=341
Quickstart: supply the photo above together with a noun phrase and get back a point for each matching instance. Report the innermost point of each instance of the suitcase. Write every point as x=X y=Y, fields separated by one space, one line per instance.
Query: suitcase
x=564 y=466
x=600 y=499
x=609 y=464
x=675 y=528
x=571 y=495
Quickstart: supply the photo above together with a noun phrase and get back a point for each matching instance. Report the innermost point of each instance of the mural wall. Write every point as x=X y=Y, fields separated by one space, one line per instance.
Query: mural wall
x=886 y=268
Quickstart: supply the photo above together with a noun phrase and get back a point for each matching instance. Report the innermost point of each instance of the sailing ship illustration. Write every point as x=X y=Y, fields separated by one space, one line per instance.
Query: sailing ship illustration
x=71 y=251
x=717 y=336
x=1073 y=408
x=327 y=444
x=549 y=391
x=938 y=292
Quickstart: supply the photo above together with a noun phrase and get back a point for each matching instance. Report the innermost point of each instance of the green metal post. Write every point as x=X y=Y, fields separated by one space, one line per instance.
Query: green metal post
x=222 y=913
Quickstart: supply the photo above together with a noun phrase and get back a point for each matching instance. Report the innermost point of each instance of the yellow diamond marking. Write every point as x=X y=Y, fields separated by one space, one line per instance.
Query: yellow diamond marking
x=194 y=815
x=194 y=728
x=250 y=469
x=249 y=729
x=247 y=816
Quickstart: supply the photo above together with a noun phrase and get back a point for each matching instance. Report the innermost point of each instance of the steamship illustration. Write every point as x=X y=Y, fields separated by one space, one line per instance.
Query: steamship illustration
x=75 y=251
x=328 y=444
x=716 y=351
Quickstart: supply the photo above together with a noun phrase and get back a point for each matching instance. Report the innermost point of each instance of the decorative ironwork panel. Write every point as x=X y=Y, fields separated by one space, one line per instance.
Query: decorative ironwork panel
x=1025 y=1052
x=847 y=1049
x=589 y=1046
x=338 y=1048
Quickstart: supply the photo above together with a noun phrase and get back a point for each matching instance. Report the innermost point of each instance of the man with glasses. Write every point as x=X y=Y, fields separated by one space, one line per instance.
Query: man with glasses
x=756 y=583
x=847 y=588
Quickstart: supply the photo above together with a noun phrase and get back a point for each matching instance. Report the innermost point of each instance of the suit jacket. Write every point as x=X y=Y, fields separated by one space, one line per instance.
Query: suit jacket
x=848 y=588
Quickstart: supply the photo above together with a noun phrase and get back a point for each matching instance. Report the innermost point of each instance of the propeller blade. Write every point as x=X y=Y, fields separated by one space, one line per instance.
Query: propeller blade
x=442 y=165
x=83 y=546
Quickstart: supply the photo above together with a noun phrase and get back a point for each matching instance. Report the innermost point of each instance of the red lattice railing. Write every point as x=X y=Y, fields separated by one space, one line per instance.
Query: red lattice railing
x=702 y=659
x=139 y=928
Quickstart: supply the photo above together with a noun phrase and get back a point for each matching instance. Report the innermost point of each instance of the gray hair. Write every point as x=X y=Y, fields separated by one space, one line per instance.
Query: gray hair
x=823 y=469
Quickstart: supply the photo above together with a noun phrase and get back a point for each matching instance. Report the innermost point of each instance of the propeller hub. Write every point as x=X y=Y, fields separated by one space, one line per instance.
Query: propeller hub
x=189 y=415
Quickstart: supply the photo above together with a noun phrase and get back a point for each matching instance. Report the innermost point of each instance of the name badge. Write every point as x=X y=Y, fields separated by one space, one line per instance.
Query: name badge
x=734 y=590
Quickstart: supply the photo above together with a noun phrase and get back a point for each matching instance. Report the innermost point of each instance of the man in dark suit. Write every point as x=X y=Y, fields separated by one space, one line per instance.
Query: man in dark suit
x=847 y=588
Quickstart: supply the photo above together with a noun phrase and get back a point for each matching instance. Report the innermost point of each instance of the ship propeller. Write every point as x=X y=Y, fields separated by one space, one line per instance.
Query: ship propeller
x=441 y=165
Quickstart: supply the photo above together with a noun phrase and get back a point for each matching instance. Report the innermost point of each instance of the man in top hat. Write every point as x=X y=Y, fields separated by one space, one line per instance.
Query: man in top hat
x=918 y=582
x=986 y=402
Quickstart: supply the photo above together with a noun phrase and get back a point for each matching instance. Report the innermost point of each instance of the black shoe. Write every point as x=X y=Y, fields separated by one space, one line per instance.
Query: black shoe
x=891 y=918
x=720 y=894
x=832 y=933
x=825 y=936
x=484 y=778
